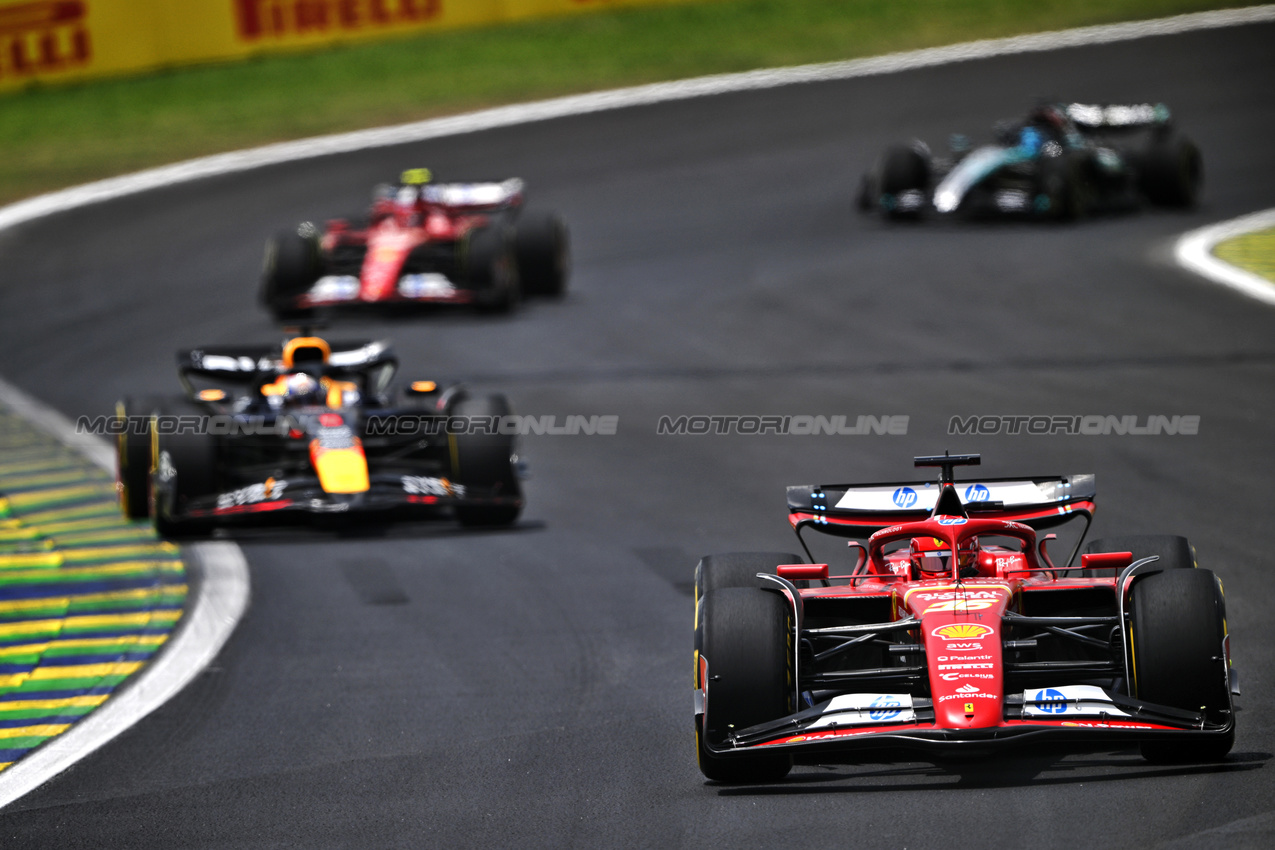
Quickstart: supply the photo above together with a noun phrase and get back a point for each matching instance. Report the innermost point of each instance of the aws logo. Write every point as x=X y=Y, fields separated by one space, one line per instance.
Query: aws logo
x=961 y=631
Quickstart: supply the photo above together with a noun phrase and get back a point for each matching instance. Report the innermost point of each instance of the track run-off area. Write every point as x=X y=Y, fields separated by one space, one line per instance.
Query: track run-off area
x=423 y=685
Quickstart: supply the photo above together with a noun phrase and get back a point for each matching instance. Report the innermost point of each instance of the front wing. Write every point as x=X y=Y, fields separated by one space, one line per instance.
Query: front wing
x=389 y=496
x=817 y=734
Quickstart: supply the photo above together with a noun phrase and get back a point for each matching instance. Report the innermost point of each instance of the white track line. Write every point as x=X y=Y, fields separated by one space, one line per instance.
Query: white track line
x=1194 y=251
x=212 y=619
x=219 y=602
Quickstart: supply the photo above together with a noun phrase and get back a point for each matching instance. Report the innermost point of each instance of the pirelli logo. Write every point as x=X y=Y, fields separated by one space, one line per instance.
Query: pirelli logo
x=258 y=20
x=37 y=38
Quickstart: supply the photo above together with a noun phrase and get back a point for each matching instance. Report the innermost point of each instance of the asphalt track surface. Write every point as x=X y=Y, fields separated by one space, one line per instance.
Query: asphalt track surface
x=427 y=687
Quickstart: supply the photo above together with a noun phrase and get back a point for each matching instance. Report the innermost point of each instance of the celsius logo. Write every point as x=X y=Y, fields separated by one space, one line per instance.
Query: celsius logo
x=961 y=631
x=885 y=707
x=977 y=493
x=952 y=520
x=905 y=497
x=1052 y=701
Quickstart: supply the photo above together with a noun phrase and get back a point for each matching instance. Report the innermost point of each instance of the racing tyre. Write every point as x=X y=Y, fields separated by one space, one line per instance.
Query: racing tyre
x=1176 y=631
x=1061 y=182
x=186 y=467
x=484 y=465
x=1175 y=552
x=291 y=268
x=903 y=169
x=1171 y=171
x=745 y=634
x=488 y=264
x=541 y=246
x=133 y=456
x=737 y=569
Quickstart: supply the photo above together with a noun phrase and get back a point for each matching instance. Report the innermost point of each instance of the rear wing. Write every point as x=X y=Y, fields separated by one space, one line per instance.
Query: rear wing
x=1118 y=116
x=241 y=364
x=860 y=510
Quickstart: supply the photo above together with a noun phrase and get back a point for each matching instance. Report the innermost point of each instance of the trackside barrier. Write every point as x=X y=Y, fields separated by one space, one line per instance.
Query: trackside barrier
x=51 y=41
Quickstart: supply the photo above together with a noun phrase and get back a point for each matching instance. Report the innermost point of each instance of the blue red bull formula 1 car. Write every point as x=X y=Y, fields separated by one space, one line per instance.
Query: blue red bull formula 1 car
x=955 y=633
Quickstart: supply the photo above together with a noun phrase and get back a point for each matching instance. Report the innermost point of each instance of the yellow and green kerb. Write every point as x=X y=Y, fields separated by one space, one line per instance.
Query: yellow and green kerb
x=86 y=597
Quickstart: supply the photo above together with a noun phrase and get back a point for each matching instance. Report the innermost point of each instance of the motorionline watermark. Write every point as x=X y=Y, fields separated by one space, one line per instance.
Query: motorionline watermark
x=396 y=425
x=1089 y=425
x=799 y=425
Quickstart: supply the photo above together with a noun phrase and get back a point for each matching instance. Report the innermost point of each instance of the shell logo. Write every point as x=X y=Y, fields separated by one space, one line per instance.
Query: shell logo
x=961 y=631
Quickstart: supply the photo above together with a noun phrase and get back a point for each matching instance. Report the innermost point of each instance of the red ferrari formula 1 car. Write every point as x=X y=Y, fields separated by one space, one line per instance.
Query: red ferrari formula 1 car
x=423 y=243
x=954 y=633
x=311 y=429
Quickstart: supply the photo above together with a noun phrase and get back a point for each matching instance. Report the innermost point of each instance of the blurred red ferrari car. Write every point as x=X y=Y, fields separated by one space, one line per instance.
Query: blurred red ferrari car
x=422 y=243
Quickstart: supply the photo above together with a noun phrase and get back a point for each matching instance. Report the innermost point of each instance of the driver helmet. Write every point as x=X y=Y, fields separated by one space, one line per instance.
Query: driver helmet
x=1031 y=139
x=931 y=556
x=301 y=387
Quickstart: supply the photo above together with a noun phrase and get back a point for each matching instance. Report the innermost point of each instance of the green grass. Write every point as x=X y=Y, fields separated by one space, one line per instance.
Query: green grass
x=59 y=136
x=1252 y=251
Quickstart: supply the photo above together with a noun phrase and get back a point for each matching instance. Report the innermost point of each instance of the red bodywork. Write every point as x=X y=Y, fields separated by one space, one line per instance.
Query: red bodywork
x=962 y=630
x=440 y=216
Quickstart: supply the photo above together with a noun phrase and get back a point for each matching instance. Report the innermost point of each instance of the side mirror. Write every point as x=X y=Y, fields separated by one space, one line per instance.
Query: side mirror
x=803 y=572
x=1106 y=561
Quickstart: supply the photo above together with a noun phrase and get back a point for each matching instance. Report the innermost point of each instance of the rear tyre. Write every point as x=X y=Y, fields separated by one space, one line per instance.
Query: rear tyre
x=1171 y=171
x=291 y=268
x=484 y=465
x=133 y=455
x=745 y=635
x=1177 y=628
x=488 y=265
x=541 y=246
x=186 y=468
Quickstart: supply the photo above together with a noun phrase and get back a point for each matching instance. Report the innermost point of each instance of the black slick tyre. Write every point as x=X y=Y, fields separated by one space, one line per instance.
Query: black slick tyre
x=185 y=464
x=133 y=455
x=542 y=249
x=903 y=169
x=1177 y=627
x=1171 y=171
x=737 y=569
x=489 y=268
x=746 y=642
x=1175 y=552
x=483 y=464
x=291 y=267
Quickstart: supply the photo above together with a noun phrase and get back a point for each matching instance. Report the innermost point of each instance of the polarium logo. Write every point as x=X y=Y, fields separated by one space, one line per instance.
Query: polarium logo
x=905 y=497
x=977 y=493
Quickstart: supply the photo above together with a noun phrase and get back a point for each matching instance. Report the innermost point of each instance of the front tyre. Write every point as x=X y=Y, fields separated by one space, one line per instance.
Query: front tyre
x=133 y=456
x=489 y=267
x=745 y=639
x=185 y=463
x=542 y=250
x=1176 y=631
x=483 y=464
x=292 y=266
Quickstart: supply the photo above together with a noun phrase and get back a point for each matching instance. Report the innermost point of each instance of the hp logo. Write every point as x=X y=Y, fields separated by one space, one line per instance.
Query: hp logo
x=905 y=497
x=884 y=707
x=1052 y=701
x=977 y=493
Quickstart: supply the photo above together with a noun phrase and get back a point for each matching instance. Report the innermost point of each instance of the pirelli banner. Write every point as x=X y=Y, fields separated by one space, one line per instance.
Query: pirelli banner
x=64 y=40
